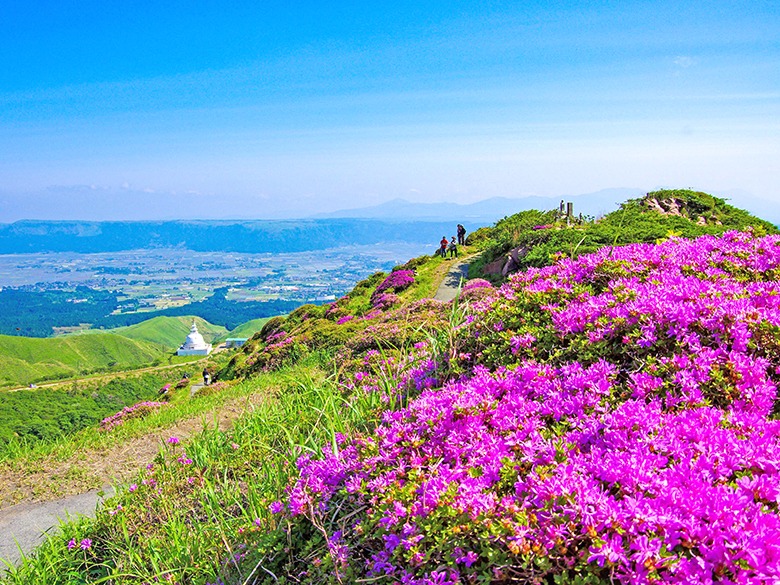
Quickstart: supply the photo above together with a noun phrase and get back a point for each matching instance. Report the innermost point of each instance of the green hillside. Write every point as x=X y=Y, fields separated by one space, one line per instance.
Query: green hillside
x=170 y=331
x=247 y=329
x=24 y=360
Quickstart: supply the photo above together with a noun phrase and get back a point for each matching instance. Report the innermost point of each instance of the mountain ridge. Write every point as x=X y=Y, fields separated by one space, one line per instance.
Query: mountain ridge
x=488 y=210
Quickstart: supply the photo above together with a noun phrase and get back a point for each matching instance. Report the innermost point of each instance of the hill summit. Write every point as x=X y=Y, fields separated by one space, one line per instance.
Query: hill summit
x=536 y=238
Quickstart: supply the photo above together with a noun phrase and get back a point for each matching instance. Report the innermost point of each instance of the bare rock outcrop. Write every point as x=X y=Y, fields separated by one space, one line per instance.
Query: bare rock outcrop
x=678 y=207
x=508 y=263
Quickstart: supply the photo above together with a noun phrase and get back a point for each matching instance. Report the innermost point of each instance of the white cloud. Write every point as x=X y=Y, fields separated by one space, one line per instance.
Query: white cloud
x=685 y=61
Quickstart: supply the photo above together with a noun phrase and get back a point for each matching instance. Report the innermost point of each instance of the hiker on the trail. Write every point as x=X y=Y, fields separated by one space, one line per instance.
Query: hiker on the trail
x=453 y=248
x=206 y=377
x=461 y=235
x=443 y=246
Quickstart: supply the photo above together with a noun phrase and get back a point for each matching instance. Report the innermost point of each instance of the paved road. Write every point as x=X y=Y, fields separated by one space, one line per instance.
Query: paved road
x=448 y=288
x=26 y=525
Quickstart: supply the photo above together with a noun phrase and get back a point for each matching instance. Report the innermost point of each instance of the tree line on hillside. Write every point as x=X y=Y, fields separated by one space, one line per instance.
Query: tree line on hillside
x=44 y=414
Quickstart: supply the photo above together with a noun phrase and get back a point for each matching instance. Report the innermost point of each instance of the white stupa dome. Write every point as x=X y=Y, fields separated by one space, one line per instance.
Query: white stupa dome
x=194 y=344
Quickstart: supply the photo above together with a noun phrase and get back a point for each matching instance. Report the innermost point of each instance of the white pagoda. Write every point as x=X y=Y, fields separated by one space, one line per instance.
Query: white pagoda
x=194 y=344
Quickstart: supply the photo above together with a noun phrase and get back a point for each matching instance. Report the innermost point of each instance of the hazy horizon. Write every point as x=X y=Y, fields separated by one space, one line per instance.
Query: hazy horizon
x=276 y=111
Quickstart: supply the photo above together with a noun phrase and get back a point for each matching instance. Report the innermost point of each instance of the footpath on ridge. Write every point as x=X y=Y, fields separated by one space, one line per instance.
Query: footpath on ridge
x=448 y=289
x=24 y=526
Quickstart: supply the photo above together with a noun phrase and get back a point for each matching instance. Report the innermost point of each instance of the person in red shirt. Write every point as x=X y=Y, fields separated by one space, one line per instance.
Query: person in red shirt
x=443 y=246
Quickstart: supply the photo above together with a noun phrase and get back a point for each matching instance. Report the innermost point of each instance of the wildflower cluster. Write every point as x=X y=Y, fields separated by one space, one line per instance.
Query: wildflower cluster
x=138 y=410
x=478 y=293
x=384 y=300
x=396 y=281
x=279 y=348
x=336 y=308
x=405 y=325
x=391 y=376
x=615 y=423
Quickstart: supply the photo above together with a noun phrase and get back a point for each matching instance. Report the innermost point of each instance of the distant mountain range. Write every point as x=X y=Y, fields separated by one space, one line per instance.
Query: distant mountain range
x=488 y=210
x=394 y=221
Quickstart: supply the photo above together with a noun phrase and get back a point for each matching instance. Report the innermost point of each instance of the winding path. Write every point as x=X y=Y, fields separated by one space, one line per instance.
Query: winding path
x=24 y=526
x=448 y=289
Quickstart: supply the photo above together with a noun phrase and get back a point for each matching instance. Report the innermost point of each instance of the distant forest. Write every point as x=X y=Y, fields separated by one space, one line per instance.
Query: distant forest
x=202 y=236
x=35 y=313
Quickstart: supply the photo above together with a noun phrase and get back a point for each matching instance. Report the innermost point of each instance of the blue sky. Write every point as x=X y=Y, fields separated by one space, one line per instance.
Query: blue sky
x=268 y=109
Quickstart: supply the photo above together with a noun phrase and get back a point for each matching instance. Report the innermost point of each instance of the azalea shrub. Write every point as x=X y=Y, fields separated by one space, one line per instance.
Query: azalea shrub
x=139 y=410
x=276 y=350
x=396 y=281
x=612 y=419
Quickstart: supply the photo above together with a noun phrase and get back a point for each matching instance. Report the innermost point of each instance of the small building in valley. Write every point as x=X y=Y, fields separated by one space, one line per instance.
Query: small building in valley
x=194 y=344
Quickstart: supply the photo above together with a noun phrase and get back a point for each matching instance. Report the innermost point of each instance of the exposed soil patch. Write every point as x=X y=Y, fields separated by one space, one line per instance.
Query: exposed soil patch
x=51 y=479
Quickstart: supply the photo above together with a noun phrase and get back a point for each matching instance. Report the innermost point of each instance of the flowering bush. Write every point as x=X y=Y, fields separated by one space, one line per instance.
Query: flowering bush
x=279 y=348
x=613 y=423
x=129 y=412
x=383 y=301
x=336 y=309
x=476 y=283
x=478 y=291
x=396 y=281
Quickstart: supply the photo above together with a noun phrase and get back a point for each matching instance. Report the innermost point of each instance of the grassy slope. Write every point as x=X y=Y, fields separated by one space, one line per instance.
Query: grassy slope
x=24 y=360
x=303 y=410
x=247 y=329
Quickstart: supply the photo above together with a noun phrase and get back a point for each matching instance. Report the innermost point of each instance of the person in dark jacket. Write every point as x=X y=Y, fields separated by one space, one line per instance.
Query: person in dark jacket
x=461 y=235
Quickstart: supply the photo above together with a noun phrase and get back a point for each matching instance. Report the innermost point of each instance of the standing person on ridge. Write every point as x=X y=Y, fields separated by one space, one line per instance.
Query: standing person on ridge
x=443 y=247
x=453 y=248
x=461 y=235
